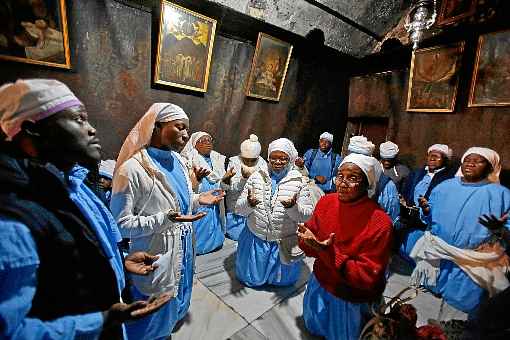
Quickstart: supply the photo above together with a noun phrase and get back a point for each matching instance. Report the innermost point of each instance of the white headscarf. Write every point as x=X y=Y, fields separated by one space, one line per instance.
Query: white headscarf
x=388 y=150
x=361 y=145
x=327 y=136
x=283 y=145
x=141 y=134
x=250 y=148
x=491 y=156
x=442 y=148
x=106 y=168
x=194 y=157
x=370 y=167
x=32 y=100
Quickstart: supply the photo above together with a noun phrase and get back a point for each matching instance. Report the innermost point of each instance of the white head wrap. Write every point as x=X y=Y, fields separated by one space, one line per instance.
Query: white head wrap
x=327 y=136
x=491 y=156
x=361 y=145
x=442 y=148
x=388 y=150
x=32 y=100
x=250 y=148
x=284 y=145
x=370 y=167
x=193 y=156
x=141 y=134
x=106 y=168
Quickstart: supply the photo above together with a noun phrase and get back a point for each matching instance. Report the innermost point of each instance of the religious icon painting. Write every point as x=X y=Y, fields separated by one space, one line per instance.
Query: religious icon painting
x=490 y=85
x=185 y=44
x=35 y=32
x=268 y=68
x=434 y=78
x=452 y=11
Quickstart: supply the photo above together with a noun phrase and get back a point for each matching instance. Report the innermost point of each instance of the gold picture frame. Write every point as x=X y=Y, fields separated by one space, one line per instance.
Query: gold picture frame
x=452 y=11
x=434 y=78
x=185 y=45
x=489 y=86
x=33 y=39
x=268 y=70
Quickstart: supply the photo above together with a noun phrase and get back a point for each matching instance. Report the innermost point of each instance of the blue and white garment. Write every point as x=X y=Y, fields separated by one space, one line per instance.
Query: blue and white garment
x=331 y=317
x=321 y=166
x=455 y=208
x=209 y=229
x=160 y=324
x=19 y=261
x=389 y=200
x=258 y=261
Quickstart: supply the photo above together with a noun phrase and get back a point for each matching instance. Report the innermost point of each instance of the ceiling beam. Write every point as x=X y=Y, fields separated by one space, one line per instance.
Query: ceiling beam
x=345 y=19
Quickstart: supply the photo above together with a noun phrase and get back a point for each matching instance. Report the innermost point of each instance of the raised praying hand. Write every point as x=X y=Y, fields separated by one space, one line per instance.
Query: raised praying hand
x=252 y=200
x=201 y=173
x=228 y=176
x=494 y=224
x=290 y=203
x=305 y=235
x=300 y=162
x=211 y=197
x=140 y=263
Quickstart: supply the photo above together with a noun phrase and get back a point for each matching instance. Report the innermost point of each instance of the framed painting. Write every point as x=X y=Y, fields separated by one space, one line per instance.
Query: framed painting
x=377 y=94
x=434 y=78
x=268 y=68
x=35 y=32
x=490 y=85
x=185 y=44
x=452 y=11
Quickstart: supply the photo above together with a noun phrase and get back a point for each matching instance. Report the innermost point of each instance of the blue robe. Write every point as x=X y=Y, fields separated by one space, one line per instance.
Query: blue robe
x=455 y=209
x=331 y=317
x=258 y=261
x=209 y=229
x=19 y=261
x=235 y=224
x=159 y=325
x=321 y=166
x=389 y=201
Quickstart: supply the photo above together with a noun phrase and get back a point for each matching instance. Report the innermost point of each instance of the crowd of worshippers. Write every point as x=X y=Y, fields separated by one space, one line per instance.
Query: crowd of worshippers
x=106 y=249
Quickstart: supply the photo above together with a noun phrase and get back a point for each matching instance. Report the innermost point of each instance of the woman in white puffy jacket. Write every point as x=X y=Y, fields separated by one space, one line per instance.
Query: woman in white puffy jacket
x=240 y=168
x=274 y=202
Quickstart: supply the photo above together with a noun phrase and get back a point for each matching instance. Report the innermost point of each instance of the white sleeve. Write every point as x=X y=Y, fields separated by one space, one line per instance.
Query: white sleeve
x=126 y=192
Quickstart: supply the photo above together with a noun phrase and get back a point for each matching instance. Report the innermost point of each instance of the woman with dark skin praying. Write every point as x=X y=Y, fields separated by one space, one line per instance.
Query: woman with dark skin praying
x=452 y=213
x=349 y=236
x=209 y=231
x=61 y=274
x=152 y=200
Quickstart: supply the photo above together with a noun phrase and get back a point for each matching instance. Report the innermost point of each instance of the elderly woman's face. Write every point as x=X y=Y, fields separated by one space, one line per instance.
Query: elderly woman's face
x=351 y=183
x=435 y=160
x=278 y=160
x=204 y=145
x=475 y=168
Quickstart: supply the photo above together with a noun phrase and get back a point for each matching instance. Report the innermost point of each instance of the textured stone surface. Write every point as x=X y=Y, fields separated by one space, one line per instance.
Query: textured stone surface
x=299 y=16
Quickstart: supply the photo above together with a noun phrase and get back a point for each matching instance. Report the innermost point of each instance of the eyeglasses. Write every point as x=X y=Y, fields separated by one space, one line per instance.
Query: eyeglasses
x=282 y=160
x=206 y=140
x=350 y=181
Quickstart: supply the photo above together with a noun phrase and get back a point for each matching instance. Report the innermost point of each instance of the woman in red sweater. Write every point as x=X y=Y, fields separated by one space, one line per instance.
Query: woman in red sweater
x=350 y=237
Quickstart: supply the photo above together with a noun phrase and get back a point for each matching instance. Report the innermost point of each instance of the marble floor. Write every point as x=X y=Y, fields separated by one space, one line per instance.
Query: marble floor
x=222 y=308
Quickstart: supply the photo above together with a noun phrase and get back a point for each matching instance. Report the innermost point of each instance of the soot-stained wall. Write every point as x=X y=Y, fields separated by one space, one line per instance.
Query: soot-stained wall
x=112 y=55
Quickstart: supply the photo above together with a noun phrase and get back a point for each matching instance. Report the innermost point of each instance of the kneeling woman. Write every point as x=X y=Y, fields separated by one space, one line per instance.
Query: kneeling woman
x=350 y=237
x=209 y=231
x=273 y=203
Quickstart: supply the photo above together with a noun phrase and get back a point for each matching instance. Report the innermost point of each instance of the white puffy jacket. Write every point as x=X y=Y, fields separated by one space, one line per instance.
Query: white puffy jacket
x=270 y=220
x=237 y=183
